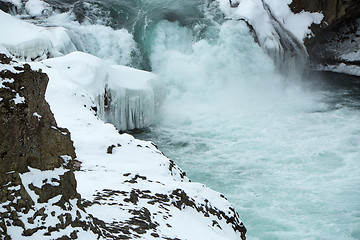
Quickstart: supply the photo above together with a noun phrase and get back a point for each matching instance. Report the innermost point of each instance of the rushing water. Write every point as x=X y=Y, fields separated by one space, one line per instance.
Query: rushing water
x=284 y=150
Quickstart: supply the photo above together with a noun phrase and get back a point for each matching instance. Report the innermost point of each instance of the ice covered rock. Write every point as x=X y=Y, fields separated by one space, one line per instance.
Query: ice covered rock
x=335 y=43
x=37 y=8
x=277 y=29
x=29 y=42
x=253 y=12
x=125 y=97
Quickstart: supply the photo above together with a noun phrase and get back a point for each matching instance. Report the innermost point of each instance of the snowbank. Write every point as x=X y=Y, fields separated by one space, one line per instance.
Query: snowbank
x=29 y=42
x=123 y=96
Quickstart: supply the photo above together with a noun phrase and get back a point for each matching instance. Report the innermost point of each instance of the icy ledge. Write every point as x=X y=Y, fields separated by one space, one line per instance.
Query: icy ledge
x=29 y=42
x=128 y=184
x=123 y=96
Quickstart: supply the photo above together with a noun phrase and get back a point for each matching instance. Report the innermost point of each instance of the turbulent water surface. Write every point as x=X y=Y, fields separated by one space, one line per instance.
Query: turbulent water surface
x=284 y=150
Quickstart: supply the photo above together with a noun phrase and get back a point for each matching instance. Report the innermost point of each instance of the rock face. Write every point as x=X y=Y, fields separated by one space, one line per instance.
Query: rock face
x=333 y=10
x=38 y=188
x=336 y=41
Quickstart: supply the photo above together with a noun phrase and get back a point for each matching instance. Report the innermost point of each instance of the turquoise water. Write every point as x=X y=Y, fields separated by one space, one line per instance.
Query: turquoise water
x=284 y=150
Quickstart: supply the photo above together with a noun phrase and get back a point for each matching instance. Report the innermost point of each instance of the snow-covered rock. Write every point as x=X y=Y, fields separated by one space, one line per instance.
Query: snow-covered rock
x=38 y=197
x=123 y=96
x=278 y=30
x=126 y=184
x=29 y=42
x=335 y=45
x=37 y=8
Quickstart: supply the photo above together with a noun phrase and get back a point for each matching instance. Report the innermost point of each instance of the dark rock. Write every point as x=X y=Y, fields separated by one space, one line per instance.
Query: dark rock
x=110 y=149
x=30 y=138
x=7 y=7
x=337 y=35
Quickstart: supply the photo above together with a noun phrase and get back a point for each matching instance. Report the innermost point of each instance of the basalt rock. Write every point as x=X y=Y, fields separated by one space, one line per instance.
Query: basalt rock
x=7 y=7
x=38 y=188
x=337 y=38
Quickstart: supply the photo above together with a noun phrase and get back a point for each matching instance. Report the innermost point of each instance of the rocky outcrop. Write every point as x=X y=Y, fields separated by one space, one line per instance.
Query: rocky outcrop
x=336 y=41
x=7 y=7
x=38 y=194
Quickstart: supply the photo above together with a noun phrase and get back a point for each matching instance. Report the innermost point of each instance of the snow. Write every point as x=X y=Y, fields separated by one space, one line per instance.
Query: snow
x=341 y=68
x=29 y=42
x=36 y=7
x=3 y=50
x=18 y=99
x=133 y=95
x=352 y=56
x=38 y=178
x=298 y=24
x=38 y=116
x=116 y=46
x=253 y=12
x=2 y=81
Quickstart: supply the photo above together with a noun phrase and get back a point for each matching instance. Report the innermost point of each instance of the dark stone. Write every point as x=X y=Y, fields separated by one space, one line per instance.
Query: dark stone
x=110 y=149
x=32 y=142
x=338 y=33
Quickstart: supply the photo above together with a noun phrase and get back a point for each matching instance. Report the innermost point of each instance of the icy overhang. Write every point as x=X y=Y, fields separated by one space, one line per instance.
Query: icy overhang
x=124 y=96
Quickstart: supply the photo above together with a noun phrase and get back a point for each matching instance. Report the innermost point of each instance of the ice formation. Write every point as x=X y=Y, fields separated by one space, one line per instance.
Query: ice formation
x=260 y=14
x=29 y=42
x=123 y=96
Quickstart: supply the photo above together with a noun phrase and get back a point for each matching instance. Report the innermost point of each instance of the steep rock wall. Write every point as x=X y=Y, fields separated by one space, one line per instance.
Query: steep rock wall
x=336 y=41
x=38 y=188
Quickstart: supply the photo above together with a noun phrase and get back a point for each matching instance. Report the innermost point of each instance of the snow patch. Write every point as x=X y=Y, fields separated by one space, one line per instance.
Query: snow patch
x=37 y=7
x=18 y=99
x=37 y=115
x=298 y=24
x=254 y=13
x=341 y=68
x=38 y=177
